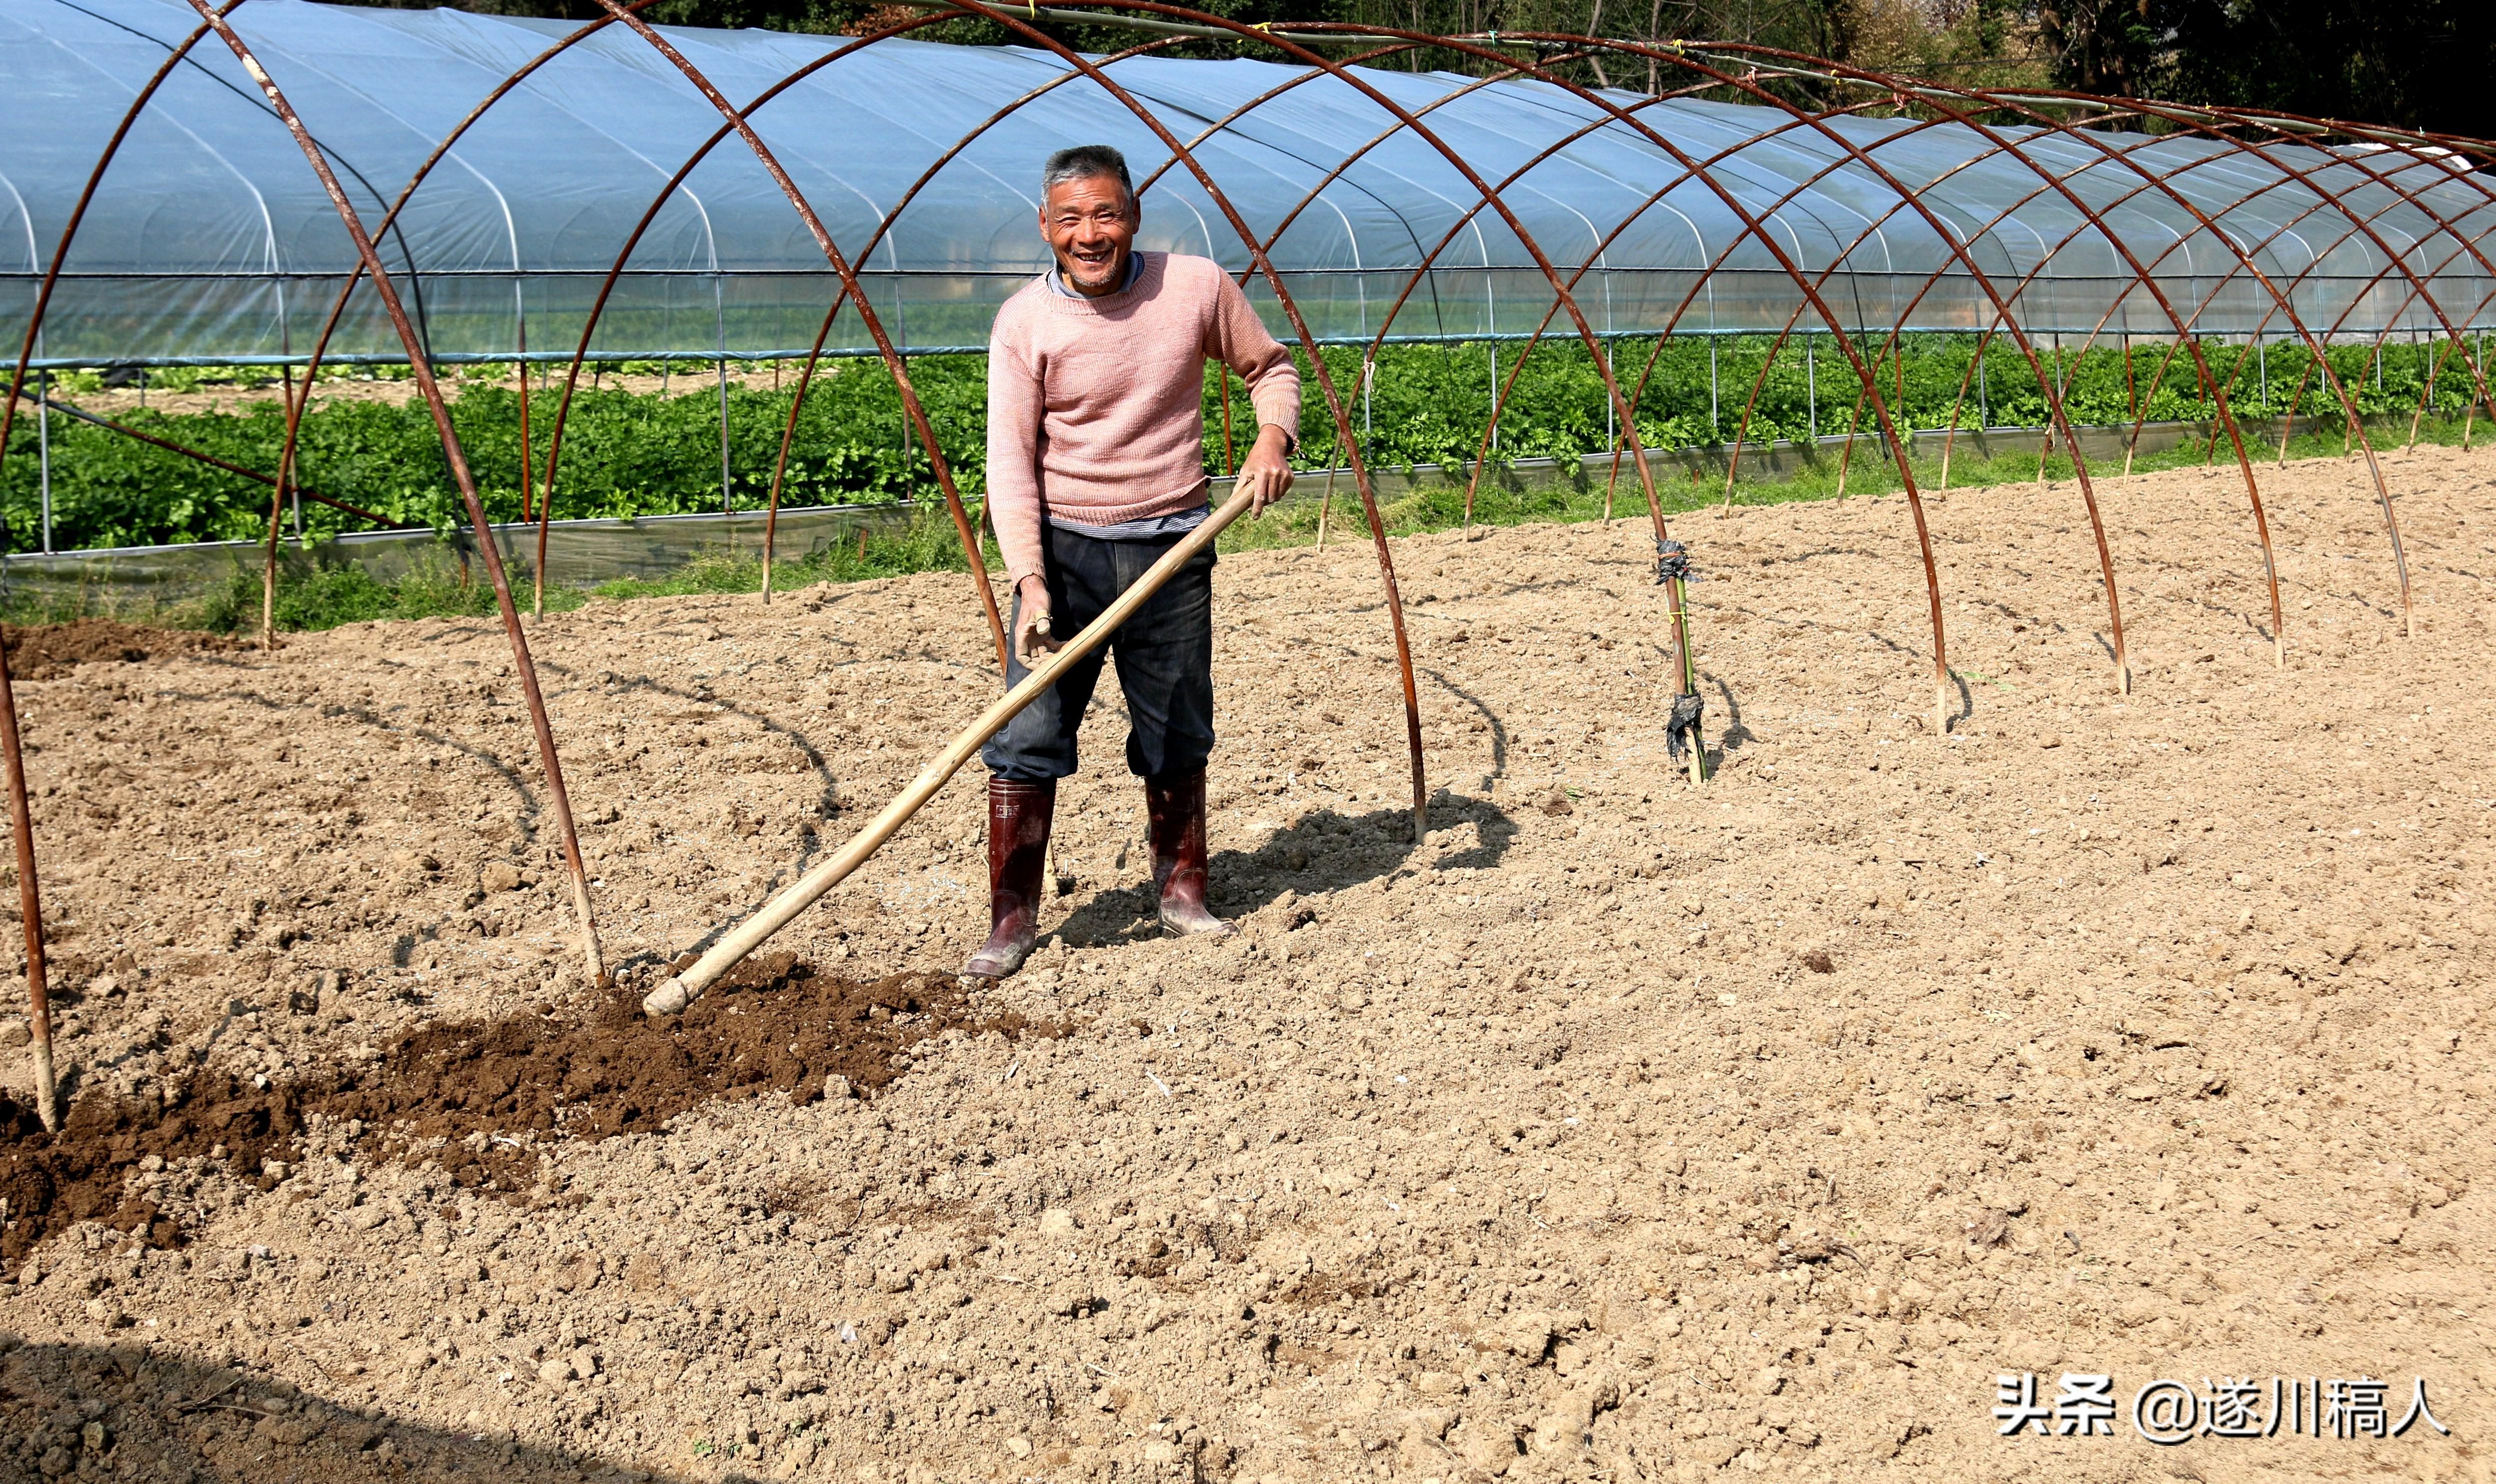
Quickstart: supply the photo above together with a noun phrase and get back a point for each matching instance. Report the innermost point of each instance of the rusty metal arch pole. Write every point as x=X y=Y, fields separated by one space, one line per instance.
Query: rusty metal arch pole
x=2421 y=291
x=901 y=203
x=1335 y=405
x=1928 y=95
x=30 y=898
x=2094 y=219
x=2185 y=119
x=1686 y=677
x=2383 y=337
x=1993 y=324
x=2417 y=291
x=593 y=960
x=201 y=456
x=2053 y=397
x=2282 y=301
x=1758 y=384
x=893 y=363
x=1647 y=371
x=1231 y=118
x=1670 y=572
x=2217 y=393
x=2261 y=326
x=286 y=453
x=1898 y=329
x=814 y=353
x=1517 y=370
x=2456 y=338
x=1754 y=227
x=30 y=905
x=78 y=216
x=2348 y=403
x=1316 y=192
x=1429 y=261
x=2427 y=151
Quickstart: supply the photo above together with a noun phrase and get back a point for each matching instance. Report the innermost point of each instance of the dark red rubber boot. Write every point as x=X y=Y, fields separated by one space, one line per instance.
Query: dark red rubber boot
x=1019 y=819
x=1176 y=808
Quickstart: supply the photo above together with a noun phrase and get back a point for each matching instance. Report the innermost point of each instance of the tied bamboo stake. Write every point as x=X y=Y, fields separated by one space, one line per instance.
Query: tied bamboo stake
x=672 y=996
x=1325 y=507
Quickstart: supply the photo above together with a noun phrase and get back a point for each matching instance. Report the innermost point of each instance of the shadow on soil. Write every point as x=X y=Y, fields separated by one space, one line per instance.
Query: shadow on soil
x=130 y=1412
x=1320 y=852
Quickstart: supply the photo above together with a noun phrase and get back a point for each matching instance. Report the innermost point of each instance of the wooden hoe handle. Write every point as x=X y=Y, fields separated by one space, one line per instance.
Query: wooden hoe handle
x=671 y=997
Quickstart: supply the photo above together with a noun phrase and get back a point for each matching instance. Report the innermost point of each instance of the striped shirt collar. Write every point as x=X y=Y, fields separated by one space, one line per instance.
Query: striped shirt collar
x=1134 y=269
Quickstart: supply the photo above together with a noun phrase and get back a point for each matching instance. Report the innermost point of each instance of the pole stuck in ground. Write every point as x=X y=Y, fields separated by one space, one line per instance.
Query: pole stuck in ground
x=30 y=907
x=43 y=449
x=672 y=996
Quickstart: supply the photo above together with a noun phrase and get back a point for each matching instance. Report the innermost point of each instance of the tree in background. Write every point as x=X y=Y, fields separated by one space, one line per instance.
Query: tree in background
x=2423 y=64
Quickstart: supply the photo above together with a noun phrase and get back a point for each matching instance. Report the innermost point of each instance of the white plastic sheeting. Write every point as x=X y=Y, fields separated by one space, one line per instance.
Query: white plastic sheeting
x=210 y=239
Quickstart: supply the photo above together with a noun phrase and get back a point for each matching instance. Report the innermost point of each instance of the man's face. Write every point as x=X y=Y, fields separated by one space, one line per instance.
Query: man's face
x=1091 y=227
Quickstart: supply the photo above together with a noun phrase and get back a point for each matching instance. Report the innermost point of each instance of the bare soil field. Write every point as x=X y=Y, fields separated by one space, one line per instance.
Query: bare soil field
x=1626 y=1130
x=233 y=397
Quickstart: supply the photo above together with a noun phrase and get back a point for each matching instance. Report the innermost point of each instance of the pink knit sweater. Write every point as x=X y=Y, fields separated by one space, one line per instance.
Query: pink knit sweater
x=1095 y=406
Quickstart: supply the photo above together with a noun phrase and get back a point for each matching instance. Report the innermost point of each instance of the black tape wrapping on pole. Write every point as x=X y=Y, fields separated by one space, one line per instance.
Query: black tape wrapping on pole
x=1682 y=734
x=1681 y=731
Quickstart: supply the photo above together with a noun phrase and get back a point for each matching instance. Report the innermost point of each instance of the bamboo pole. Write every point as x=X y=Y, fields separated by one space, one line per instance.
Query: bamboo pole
x=44 y=449
x=294 y=503
x=269 y=545
x=1950 y=439
x=1620 y=448
x=2428 y=395
x=1846 y=452
x=2287 y=423
x=672 y=996
x=528 y=500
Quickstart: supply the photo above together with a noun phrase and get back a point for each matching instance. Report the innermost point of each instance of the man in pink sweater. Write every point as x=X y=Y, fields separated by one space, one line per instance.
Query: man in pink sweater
x=1096 y=437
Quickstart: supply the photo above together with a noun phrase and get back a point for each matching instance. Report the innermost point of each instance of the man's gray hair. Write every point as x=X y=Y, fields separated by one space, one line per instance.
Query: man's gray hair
x=1083 y=162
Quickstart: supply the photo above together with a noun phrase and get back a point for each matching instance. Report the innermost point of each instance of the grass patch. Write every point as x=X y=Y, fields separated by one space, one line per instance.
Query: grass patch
x=1411 y=502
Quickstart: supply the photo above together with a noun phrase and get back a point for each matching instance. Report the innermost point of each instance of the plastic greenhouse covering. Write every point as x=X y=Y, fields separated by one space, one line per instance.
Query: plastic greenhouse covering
x=209 y=239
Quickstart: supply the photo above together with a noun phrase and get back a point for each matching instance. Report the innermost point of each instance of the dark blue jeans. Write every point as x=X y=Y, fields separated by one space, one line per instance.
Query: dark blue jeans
x=1164 y=654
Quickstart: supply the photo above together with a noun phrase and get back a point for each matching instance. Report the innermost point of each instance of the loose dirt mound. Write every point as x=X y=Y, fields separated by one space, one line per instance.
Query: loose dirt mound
x=45 y=651
x=482 y=1096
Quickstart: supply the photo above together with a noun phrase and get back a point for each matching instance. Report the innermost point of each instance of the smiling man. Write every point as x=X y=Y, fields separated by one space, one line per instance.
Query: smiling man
x=1096 y=467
